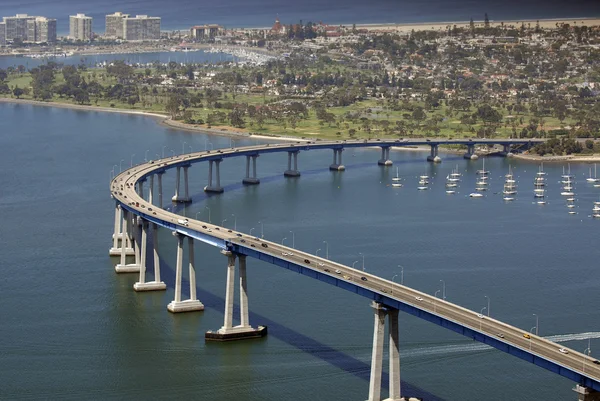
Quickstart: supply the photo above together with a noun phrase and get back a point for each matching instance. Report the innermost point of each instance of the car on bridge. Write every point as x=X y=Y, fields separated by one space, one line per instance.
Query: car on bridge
x=527 y=336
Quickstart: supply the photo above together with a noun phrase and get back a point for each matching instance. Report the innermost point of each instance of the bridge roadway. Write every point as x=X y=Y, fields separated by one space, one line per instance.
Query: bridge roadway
x=574 y=365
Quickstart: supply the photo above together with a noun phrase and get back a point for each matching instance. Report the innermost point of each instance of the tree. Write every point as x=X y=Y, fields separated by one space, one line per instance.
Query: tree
x=172 y=106
x=486 y=21
x=18 y=92
x=81 y=96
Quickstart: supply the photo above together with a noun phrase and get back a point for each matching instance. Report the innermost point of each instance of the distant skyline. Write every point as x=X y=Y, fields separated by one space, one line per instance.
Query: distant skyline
x=182 y=14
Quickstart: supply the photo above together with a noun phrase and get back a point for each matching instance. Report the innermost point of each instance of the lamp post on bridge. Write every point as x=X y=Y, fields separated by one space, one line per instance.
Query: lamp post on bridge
x=488 y=307
x=401 y=274
x=481 y=316
x=131 y=160
x=537 y=323
x=197 y=213
x=284 y=238
x=172 y=153
x=326 y=250
x=395 y=275
x=293 y=240
x=223 y=222
x=146 y=155
x=443 y=289
x=355 y=262
x=317 y=253
x=251 y=231
x=531 y=331
x=363 y=261
x=262 y=229
x=234 y=222
x=121 y=165
x=435 y=300
x=206 y=207
x=587 y=352
x=183 y=147
x=163 y=151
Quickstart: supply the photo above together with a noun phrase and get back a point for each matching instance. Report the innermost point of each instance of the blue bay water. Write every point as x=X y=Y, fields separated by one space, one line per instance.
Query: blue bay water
x=181 y=14
x=72 y=329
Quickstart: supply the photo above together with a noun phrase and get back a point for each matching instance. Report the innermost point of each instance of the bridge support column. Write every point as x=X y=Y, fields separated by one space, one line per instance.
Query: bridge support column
x=128 y=228
x=433 y=157
x=586 y=394
x=337 y=160
x=377 y=355
x=506 y=151
x=470 y=155
x=251 y=180
x=243 y=331
x=118 y=237
x=151 y=190
x=142 y=285
x=385 y=157
x=210 y=187
x=292 y=172
x=192 y=304
x=160 y=191
x=186 y=197
x=141 y=188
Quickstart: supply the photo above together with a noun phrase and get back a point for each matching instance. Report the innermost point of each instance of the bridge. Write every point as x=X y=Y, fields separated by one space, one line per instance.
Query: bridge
x=138 y=213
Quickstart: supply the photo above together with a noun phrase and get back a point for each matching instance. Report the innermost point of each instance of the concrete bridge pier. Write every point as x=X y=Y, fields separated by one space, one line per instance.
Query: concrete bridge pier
x=160 y=192
x=470 y=155
x=377 y=356
x=142 y=284
x=186 y=194
x=506 y=151
x=192 y=304
x=433 y=157
x=210 y=187
x=128 y=229
x=385 y=157
x=230 y=332
x=337 y=160
x=292 y=172
x=586 y=394
x=118 y=235
x=251 y=180
x=151 y=190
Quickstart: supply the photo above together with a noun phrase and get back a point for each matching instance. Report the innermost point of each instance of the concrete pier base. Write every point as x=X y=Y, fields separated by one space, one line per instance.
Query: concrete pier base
x=213 y=189
x=385 y=157
x=291 y=173
x=150 y=286
x=385 y=162
x=337 y=167
x=189 y=305
x=250 y=181
x=586 y=394
x=469 y=156
x=130 y=268
x=434 y=159
x=236 y=333
x=117 y=252
x=181 y=199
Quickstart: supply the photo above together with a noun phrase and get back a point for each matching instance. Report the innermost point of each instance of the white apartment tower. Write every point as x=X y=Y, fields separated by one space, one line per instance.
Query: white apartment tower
x=114 y=25
x=142 y=27
x=80 y=27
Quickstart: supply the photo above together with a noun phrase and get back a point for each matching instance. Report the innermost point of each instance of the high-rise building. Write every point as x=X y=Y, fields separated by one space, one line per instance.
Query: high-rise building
x=2 y=34
x=80 y=27
x=41 y=29
x=200 y=32
x=141 y=27
x=114 y=25
x=16 y=27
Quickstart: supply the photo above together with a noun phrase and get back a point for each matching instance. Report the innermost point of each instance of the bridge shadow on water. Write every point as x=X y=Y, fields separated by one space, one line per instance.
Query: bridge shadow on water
x=298 y=340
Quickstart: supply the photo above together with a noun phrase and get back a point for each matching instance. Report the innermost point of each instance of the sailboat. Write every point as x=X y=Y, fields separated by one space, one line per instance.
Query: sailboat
x=539 y=183
x=423 y=182
x=567 y=188
x=452 y=180
x=566 y=178
x=396 y=180
x=595 y=178
x=510 y=187
x=596 y=210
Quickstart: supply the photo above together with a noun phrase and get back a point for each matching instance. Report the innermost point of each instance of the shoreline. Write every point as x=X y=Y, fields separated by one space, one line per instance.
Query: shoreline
x=165 y=121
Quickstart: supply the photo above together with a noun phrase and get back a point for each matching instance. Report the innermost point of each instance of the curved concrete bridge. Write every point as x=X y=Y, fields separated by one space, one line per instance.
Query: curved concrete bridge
x=136 y=213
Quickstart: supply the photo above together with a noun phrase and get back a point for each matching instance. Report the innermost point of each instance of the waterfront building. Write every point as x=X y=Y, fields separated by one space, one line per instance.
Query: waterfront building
x=114 y=25
x=202 y=32
x=16 y=27
x=41 y=30
x=80 y=27
x=2 y=34
x=142 y=27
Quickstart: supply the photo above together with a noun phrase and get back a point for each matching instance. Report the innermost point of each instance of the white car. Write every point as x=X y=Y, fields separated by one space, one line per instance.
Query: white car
x=321 y=264
x=338 y=271
x=284 y=254
x=479 y=315
x=563 y=351
x=419 y=298
x=183 y=221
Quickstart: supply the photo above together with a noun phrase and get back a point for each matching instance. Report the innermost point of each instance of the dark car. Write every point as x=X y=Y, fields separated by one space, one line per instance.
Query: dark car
x=596 y=362
x=306 y=261
x=239 y=235
x=363 y=278
x=264 y=245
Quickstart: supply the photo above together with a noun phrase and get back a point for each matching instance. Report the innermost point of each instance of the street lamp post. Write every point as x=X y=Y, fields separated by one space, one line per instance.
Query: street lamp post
x=435 y=300
x=251 y=231
x=293 y=240
x=443 y=289
x=363 y=256
x=284 y=238
x=401 y=274
x=234 y=222
x=197 y=213
x=481 y=316
x=183 y=147
x=223 y=222
x=131 y=161
x=537 y=323
x=395 y=275
x=488 y=307
x=317 y=253
x=172 y=153
x=531 y=331
x=355 y=262
x=146 y=155
x=206 y=207
x=121 y=165
x=206 y=144
x=262 y=229
x=163 y=151
x=326 y=250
